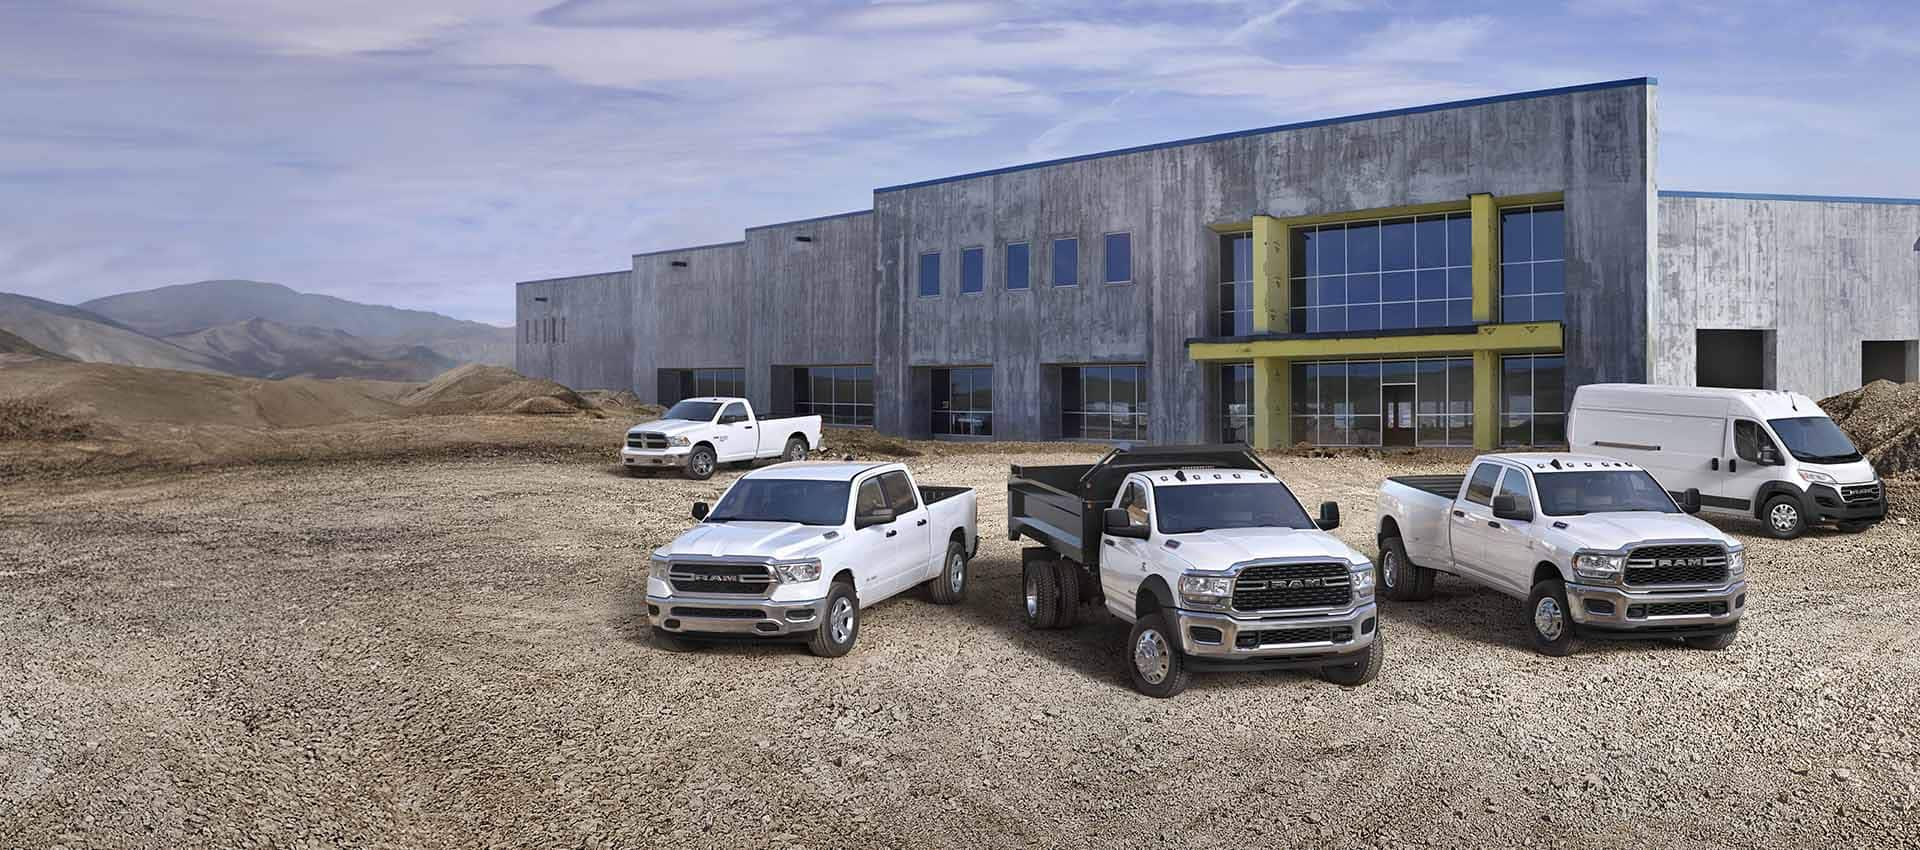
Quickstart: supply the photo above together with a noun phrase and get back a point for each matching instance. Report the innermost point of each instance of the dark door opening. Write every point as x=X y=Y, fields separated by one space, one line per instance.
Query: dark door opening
x=1396 y=403
x=1740 y=359
x=1887 y=360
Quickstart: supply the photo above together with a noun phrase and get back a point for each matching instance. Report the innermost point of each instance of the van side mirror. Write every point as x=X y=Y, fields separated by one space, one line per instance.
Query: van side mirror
x=877 y=516
x=1690 y=500
x=1116 y=522
x=1769 y=457
x=700 y=511
x=1507 y=507
x=1329 y=516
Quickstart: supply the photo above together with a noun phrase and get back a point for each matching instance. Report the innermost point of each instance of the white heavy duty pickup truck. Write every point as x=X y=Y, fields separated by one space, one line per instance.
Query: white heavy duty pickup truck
x=797 y=549
x=1212 y=559
x=1595 y=546
x=699 y=434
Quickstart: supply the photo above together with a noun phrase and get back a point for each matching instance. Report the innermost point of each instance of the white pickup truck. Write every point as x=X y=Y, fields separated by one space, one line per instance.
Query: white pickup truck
x=1211 y=558
x=1595 y=546
x=699 y=434
x=797 y=549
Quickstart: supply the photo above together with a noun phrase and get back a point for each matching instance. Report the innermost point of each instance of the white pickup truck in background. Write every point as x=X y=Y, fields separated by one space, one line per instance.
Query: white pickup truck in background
x=699 y=434
x=1595 y=545
x=796 y=550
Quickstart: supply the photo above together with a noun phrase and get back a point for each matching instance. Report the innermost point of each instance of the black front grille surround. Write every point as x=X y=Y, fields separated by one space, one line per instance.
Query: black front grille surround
x=646 y=441
x=1278 y=587
x=720 y=578
x=1861 y=494
x=1255 y=638
x=718 y=613
x=1686 y=563
x=1677 y=609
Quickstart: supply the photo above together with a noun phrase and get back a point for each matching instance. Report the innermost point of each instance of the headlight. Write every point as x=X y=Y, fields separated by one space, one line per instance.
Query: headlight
x=1605 y=568
x=1737 y=562
x=1816 y=477
x=679 y=441
x=657 y=566
x=798 y=571
x=1363 y=582
x=1207 y=591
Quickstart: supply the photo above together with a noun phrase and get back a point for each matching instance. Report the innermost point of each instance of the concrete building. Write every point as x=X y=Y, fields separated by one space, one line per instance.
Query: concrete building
x=1440 y=275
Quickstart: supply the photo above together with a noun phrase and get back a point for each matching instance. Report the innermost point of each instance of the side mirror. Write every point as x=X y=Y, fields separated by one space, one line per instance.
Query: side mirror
x=1329 y=516
x=1116 y=522
x=878 y=516
x=1507 y=507
x=1690 y=500
x=1769 y=457
x=699 y=511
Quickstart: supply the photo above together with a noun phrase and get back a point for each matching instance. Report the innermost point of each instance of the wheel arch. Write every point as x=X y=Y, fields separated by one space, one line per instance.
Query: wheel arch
x=1547 y=570
x=1808 y=511
x=1154 y=595
x=1389 y=527
x=851 y=579
x=802 y=438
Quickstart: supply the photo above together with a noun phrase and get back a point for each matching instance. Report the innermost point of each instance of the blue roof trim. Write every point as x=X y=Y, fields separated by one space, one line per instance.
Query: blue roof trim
x=1304 y=125
x=809 y=220
x=694 y=248
x=1819 y=199
x=573 y=277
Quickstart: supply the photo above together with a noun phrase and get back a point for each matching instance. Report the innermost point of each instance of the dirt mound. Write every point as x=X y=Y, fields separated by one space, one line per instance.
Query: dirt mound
x=544 y=405
x=1883 y=420
x=475 y=388
x=623 y=400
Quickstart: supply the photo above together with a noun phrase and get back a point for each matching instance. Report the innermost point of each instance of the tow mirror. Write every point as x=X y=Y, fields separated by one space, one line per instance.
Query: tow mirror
x=699 y=511
x=1769 y=457
x=1507 y=507
x=1118 y=523
x=877 y=516
x=1329 y=516
x=1690 y=500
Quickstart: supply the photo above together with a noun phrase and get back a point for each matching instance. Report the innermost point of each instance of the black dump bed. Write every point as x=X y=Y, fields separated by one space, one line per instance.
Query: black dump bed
x=1444 y=486
x=1059 y=506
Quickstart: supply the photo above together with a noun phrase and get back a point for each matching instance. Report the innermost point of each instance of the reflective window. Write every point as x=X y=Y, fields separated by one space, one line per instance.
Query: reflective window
x=963 y=401
x=1066 y=262
x=839 y=395
x=973 y=270
x=1356 y=402
x=1118 y=258
x=1533 y=277
x=898 y=490
x=1103 y=402
x=735 y=412
x=676 y=384
x=930 y=274
x=1480 y=489
x=1236 y=403
x=1017 y=266
x=1533 y=400
x=1514 y=484
x=1236 y=284
x=1389 y=274
x=1134 y=502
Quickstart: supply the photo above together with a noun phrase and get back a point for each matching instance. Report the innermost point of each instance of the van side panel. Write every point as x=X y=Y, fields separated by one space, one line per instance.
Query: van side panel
x=1675 y=435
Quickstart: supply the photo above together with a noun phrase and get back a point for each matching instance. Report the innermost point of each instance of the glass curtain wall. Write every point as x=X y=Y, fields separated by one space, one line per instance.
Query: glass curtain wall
x=1341 y=402
x=839 y=395
x=963 y=401
x=1533 y=400
x=1236 y=284
x=1389 y=274
x=1533 y=251
x=1103 y=402
x=1236 y=403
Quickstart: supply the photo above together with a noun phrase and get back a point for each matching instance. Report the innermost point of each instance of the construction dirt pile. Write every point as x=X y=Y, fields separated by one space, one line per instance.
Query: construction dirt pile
x=475 y=388
x=1883 y=419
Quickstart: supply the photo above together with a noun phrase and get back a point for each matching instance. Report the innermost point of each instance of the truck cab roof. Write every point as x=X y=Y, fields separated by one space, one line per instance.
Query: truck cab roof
x=1203 y=475
x=1561 y=461
x=818 y=470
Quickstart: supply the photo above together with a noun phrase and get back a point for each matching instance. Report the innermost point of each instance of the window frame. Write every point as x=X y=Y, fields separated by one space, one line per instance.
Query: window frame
x=1492 y=486
x=935 y=411
x=979 y=251
x=832 y=410
x=1106 y=258
x=920 y=275
x=1138 y=410
x=1304 y=286
x=1026 y=262
x=1526 y=487
x=1532 y=297
x=913 y=498
x=1053 y=262
x=1145 y=501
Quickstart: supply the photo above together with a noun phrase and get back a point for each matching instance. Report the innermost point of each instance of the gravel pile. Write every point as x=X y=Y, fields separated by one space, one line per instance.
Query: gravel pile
x=455 y=654
x=1883 y=420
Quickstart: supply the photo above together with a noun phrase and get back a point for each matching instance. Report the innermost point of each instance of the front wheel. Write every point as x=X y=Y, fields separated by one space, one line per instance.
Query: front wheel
x=701 y=462
x=1359 y=672
x=841 y=627
x=1783 y=518
x=1154 y=661
x=796 y=450
x=1548 y=618
x=950 y=586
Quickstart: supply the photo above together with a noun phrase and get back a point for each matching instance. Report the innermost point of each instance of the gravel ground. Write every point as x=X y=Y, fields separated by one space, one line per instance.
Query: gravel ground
x=449 y=654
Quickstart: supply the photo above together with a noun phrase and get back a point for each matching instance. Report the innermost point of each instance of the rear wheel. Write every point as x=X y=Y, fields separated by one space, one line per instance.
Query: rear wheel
x=1399 y=578
x=841 y=627
x=1066 y=576
x=796 y=450
x=1548 y=618
x=1783 y=518
x=1359 y=672
x=1154 y=661
x=950 y=586
x=1042 y=586
x=1713 y=643
x=701 y=463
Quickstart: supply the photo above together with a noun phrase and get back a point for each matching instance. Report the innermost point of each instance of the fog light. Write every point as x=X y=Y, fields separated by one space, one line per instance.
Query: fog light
x=1741 y=602
x=1600 y=606
x=1366 y=628
x=1636 y=612
x=767 y=626
x=670 y=624
x=1204 y=634
x=653 y=610
x=799 y=615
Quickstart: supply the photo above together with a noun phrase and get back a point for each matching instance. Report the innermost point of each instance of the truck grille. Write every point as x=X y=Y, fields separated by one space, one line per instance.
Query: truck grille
x=719 y=613
x=1271 y=587
x=646 y=441
x=1677 y=609
x=1861 y=494
x=1700 y=563
x=1281 y=637
x=734 y=579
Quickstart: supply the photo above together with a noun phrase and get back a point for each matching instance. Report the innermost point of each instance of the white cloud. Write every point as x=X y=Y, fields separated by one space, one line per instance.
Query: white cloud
x=1410 y=41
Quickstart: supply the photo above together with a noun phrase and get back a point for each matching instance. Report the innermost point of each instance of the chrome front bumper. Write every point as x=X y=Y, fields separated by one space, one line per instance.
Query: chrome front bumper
x=721 y=615
x=1639 y=609
x=1362 y=625
x=672 y=456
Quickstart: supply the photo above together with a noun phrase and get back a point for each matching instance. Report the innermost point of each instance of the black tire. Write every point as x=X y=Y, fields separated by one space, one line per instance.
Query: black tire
x=796 y=450
x=950 y=586
x=1066 y=576
x=701 y=462
x=1398 y=577
x=1550 y=626
x=842 y=607
x=1784 y=517
x=1359 y=672
x=1041 y=586
x=1713 y=643
x=1154 y=662
x=667 y=641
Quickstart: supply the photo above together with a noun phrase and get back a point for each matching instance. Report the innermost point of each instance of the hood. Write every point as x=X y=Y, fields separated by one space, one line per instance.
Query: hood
x=751 y=539
x=669 y=427
x=1857 y=472
x=1223 y=547
x=1619 y=530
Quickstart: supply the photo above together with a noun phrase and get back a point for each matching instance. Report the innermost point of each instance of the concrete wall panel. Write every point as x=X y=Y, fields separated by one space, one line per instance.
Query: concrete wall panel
x=594 y=352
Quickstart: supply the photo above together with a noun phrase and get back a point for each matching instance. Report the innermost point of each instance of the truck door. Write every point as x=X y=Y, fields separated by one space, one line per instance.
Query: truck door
x=735 y=437
x=1123 y=560
x=1470 y=520
x=909 y=553
x=1508 y=559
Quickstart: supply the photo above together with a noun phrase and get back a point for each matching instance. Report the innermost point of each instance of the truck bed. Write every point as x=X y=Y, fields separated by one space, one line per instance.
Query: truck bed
x=934 y=493
x=1444 y=486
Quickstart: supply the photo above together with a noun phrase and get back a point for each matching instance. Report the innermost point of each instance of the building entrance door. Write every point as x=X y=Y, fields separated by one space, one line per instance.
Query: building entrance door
x=1396 y=404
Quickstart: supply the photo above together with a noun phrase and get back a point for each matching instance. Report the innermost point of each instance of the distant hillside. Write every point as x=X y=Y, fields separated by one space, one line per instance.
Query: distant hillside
x=78 y=334
x=10 y=344
x=267 y=349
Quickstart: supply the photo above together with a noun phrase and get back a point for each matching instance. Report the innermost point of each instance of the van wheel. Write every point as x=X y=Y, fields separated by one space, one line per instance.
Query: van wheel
x=950 y=586
x=1549 y=619
x=1712 y=643
x=1042 y=586
x=796 y=450
x=841 y=627
x=1783 y=518
x=701 y=463
x=1359 y=672
x=1066 y=576
x=1399 y=578
x=1154 y=662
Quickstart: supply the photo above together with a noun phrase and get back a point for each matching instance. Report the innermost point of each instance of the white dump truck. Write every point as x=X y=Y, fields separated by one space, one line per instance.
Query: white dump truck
x=699 y=434
x=1595 y=545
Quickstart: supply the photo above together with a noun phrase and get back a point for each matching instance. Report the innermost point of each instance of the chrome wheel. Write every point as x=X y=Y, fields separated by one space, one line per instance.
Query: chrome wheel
x=1548 y=620
x=1033 y=597
x=1152 y=657
x=957 y=578
x=1389 y=570
x=841 y=620
x=1785 y=517
x=796 y=451
x=703 y=464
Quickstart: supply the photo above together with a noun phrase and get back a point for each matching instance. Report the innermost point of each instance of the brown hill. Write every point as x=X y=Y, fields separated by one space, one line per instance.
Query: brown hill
x=80 y=335
x=1883 y=419
x=267 y=349
x=10 y=344
x=480 y=389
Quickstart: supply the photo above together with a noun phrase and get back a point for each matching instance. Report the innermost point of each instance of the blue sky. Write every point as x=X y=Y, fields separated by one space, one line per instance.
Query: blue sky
x=428 y=153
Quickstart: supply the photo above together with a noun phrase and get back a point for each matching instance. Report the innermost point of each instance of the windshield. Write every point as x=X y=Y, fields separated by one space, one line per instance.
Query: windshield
x=1199 y=507
x=1576 y=493
x=693 y=411
x=783 y=500
x=1815 y=439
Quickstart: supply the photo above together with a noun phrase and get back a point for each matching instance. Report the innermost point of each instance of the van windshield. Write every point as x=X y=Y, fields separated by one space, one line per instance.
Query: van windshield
x=1615 y=491
x=1200 y=507
x=783 y=500
x=693 y=411
x=1815 y=439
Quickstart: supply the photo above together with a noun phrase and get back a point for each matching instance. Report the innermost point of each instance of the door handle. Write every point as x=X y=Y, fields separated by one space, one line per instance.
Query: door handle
x=1733 y=464
x=922 y=522
x=892 y=533
x=749 y=427
x=1492 y=524
x=1460 y=513
x=1714 y=464
x=1109 y=542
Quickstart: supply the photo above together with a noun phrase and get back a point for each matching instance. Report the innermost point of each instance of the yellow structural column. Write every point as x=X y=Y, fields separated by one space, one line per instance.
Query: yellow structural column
x=1270 y=310
x=1486 y=364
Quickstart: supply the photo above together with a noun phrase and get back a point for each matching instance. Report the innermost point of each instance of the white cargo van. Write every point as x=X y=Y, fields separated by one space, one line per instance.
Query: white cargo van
x=1767 y=454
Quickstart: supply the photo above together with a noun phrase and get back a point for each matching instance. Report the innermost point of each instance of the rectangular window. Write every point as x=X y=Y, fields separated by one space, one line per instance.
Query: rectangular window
x=839 y=395
x=1480 y=487
x=1391 y=274
x=1017 y=267
x=1533 y=400
x=1533 y=251
x=1236 y=403
x=1236 y=284
x=930 y=274
x=1103 y=402
x=973 y=270
x=1375 y=402
x=1066 y=262
x=719 y=382
x=1119 y=258
x=963 y=401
